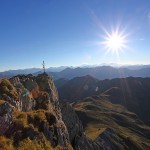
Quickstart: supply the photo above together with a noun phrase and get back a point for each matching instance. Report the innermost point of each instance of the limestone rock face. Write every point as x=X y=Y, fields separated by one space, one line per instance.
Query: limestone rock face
x=72 y=122
x=75 y=129
x=57 y=134
x=9 y=93
x=27 y=103
x=105 y=141
x=38 y=110
x=46 y=84
x=27 y=92
x=48 y=96
x=5 y=117
x=76 y=133
x=43 y=101
x=84 y=143
x=24 y=101
x=48 y=100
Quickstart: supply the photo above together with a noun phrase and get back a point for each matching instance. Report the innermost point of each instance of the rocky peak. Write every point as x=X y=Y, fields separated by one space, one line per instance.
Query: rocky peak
x=38 y=112
x=34 y=92
x=46 y=84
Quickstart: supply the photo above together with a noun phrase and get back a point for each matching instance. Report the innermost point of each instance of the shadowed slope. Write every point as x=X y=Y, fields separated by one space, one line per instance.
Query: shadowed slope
x=112 y=123
x=133 y=93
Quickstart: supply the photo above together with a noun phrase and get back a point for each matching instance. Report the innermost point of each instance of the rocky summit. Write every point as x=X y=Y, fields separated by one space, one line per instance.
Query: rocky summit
x=32 y=118
x=30 y=114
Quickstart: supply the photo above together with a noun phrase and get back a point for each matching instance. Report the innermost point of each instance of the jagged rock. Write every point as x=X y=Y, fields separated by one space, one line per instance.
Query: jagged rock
x=107 y=138
x=8 y=92
x=16 y=82
x=35 y=94
x=72 y=121
x=84 y=143
x=105 y=141
x=75 y=129
x=24 y=101
x=102 y=142
x=27 y=102
x=43 y=102
x=57 y=133
x=6 y=117
x=30 y=84
x=77 y=137
x=46 y=83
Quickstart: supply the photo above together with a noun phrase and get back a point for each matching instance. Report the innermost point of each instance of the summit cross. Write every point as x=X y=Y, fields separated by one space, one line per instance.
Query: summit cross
x=43 y=64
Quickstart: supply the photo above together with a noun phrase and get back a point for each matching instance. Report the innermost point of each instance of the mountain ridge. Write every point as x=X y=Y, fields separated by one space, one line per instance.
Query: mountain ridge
x=131 y=92
x=100 y=72
x=103 y=120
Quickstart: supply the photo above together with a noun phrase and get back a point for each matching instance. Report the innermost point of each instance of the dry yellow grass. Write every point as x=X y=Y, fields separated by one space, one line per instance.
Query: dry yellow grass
x=5 y=144
x=2 y=102
x=93 y=133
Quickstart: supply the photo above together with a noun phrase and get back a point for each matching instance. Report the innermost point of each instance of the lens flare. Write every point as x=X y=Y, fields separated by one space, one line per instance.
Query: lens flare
x=114 y=41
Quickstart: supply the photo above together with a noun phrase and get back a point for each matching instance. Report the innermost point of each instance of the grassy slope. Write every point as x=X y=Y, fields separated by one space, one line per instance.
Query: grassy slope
x=97 y=115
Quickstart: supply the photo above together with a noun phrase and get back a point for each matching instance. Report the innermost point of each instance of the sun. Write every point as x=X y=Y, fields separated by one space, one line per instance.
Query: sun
x=115 y=41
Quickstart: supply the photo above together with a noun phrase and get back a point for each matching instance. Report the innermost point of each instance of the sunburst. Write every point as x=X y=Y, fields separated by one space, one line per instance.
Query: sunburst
x=115 y=41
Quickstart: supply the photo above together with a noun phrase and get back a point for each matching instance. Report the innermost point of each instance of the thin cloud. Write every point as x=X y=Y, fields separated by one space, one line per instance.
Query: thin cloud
x=142 y=39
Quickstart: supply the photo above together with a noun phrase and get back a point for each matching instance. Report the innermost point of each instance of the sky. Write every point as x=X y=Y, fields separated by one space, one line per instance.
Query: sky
x=71 y=32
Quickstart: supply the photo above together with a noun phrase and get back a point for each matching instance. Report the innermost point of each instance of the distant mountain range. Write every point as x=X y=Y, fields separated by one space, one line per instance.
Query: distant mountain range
x=102 y=72
x=11 y=73
x=99 y=72
x=133 y=93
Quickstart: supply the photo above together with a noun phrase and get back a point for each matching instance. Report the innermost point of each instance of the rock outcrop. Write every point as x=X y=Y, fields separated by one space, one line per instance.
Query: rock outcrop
x=76 y=133
x=72 y=122
x=6 y=117
x=34 y=92
x=102 y=142
x=31 y=109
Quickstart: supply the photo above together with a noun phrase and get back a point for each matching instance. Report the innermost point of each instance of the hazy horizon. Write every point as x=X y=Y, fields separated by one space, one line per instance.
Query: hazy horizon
x=83 y=65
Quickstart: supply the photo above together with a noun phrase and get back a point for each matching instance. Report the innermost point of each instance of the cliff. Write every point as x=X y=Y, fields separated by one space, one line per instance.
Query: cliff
x=30 y=113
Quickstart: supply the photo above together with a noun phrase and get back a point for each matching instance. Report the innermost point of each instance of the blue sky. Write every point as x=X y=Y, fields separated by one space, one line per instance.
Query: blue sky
x=68 y=32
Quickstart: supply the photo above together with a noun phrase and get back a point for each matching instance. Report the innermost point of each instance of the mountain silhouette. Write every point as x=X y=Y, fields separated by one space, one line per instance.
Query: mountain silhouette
x=99 y=72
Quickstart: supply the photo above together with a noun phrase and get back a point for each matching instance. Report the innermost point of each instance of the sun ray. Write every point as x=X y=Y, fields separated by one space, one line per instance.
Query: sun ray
x=115 y=41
